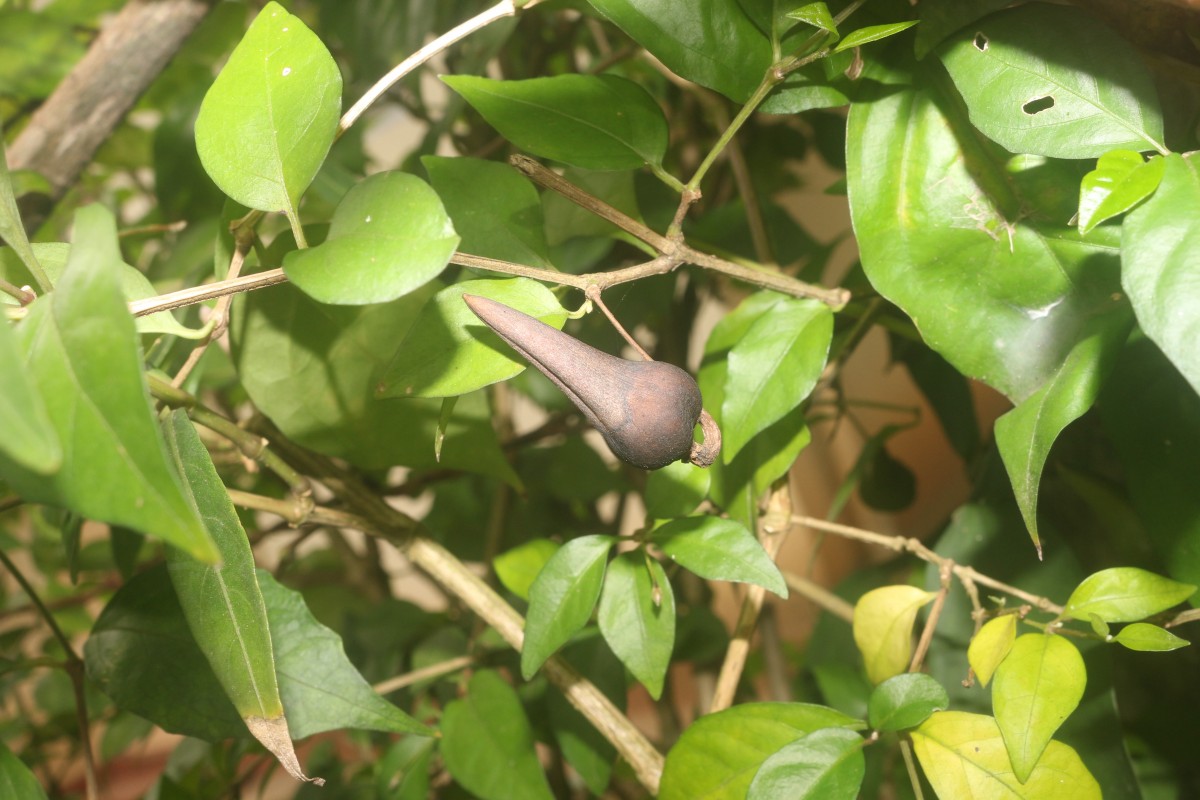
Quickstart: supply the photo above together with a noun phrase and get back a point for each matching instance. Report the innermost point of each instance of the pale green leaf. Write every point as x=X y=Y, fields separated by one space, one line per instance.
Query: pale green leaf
x=883 y=628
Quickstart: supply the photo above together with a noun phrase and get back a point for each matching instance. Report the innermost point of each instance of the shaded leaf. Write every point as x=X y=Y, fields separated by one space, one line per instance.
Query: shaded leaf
x=1033 y=90
x=905 y=701
x=675 y=490
x=637 y=617
x=590 y=121
x=883 y=628
x=719 y=549
x=16 y=779
x=817 y=15
x=12 y=231
x=389 y=235
x=1037 y=687
x=488 y=745
x=1125 y=594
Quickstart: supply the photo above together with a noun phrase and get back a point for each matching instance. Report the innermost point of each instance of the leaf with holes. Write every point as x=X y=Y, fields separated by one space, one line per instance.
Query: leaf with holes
x=824 y=765
x=719 y=549
x=1160 y=258
x=1120 y=181
x=389 y=236
x=488 y=745
x=1025 y=434
x=1033 y=90
x=963 y=755
x=718 y=755
x=1125 y=594
x=946 y=234
x=271 y=115
x=883 y=628
x=637 y=617
x=562 y=597
x=590 y=121
x=1037 y=687
x=990 y=646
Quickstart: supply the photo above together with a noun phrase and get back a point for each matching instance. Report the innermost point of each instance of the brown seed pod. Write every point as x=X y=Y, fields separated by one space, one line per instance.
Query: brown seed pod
x=645 y=410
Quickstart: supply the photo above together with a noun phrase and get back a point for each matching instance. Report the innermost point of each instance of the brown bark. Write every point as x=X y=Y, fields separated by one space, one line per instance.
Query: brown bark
x=64 y=134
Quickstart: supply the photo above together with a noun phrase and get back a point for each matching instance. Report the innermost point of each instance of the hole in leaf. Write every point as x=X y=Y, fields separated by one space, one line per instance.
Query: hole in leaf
x=981 y=42
x=1038 y=105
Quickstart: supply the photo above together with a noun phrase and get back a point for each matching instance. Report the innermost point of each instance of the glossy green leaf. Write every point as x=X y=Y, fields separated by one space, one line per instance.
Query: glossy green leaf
x=872 y=33
x=905 y=701
x=590 y=121
x=946 y=234
x=963 y=756
x=562 y=597
x=16 y=780
x=1119 y=182
x=82 y=355
x=449 y=351
x=712 y=42
x=772 y=369
x=389 y=235
x=488 y=745
x=719 y=550
x=991 y=645
x=53 y=257
x=1160 y=253
x=637 y=617
x=817 y=15
x=883 y=628
x=28 y=439
x=942 y=17
x=675 y=490
x=321 y=689
x=1125 y=594
x=12 y=231
x=1033 y=90
x=1149 y=638
x=270 y=117
x=519 y=567
x=313 y=369
x=718 y=755
x=1025 y=434
x=824 y=765
x=495 y=209
x=222 y=603
x=1037 y=687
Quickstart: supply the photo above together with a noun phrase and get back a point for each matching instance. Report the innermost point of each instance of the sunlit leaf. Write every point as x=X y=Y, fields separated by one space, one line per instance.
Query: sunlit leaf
x=883 y=628
x=824 y=765
x=29 y=440
x=517 y=568
x=990 y=646
x=637 y=617
x=1125 y=594
x=1149 y=638
x=1119 y=182
x=719 y=549
x=872 y=34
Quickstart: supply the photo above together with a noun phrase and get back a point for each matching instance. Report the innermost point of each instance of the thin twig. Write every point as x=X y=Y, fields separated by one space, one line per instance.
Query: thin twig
x=593 y=294
x=220 y=316
x=423 y=674
x=944 y=576
x=820 y=596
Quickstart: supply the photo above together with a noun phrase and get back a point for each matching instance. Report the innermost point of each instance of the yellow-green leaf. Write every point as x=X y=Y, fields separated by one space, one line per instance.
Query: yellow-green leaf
x=991 y=645
x=883 y=625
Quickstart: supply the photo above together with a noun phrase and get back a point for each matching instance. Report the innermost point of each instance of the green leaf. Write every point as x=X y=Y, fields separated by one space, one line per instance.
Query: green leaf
x=1149 y=638
x=321 y=689
x=963 y=756
x=883 y=628
x=519 y=567
x=946 y=234
x=313 y=369
x=562 y=597
x=222 y=603
x=991 y=645
x=29 y=440
x=772 y=369
x=817 y=15
x=872 y=33
x=942 y=17
x=495 y=209
x=1025 y=434
x=12 y=231
x=905 y=701
x=449 y=351
x=37 y=51
x=709 y=42
x=488 y=745
x=718 y=755
x=81 y=352
x=1037 y=687
x=270 y=117
x=720 y=550
x=16 y=779
x=675 y=490
x=1033 y=90
x=824 y=765
x=637 y=617
x=1125 y=594
x=53 y=256
x=1160 y=253
x=590 y=121
x=389 y=235
x=1119 y=182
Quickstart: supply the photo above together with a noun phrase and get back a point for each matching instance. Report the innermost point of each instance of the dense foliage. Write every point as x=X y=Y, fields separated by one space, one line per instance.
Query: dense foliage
x=319 y=501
